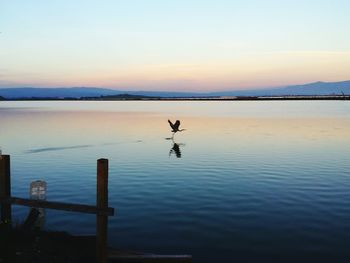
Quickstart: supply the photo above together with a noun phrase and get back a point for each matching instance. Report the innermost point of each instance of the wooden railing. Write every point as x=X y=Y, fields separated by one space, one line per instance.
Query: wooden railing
x=101 y=210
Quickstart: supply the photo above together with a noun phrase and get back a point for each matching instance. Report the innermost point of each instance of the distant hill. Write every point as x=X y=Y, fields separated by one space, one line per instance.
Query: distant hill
x=2 y=98
x=316 y=88
x=120 y=97
x=15 y=93
x=82 y=92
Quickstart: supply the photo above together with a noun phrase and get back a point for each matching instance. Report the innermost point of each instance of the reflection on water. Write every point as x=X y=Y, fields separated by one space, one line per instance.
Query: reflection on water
x=48 y=149
x=176 y=149
x=256 y=182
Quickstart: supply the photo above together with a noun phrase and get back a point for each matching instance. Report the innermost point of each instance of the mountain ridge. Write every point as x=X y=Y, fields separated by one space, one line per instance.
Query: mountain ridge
x=314 y=88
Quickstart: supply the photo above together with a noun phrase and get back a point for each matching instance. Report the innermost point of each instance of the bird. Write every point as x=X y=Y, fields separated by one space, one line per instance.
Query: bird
x=175 y=126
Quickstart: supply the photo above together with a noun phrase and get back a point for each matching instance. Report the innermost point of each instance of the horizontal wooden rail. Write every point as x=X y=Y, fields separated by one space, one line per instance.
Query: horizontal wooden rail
x=149 y=258
x=89 y=209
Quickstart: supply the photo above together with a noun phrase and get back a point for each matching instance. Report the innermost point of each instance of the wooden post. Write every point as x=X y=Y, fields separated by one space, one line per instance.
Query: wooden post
x=5 y=188
x=102 y=202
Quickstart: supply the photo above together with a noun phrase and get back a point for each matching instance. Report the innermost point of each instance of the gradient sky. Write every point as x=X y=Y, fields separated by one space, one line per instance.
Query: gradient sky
x=173 y=45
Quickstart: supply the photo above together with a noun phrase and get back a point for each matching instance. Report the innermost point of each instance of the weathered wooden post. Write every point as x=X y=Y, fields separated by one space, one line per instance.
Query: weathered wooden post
x=5 y=188
x=102 y=203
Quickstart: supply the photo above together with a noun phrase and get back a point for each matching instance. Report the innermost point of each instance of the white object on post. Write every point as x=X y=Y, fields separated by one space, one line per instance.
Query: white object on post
x=38 y=192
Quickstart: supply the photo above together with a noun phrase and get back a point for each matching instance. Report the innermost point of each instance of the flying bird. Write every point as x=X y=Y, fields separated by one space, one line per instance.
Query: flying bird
x=175 y=126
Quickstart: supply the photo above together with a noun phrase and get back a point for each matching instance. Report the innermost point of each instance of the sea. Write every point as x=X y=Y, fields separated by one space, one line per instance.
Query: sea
x=246 y=181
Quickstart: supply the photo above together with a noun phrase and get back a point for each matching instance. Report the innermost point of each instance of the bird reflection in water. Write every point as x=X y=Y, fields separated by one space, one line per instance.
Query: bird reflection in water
x=176 y=149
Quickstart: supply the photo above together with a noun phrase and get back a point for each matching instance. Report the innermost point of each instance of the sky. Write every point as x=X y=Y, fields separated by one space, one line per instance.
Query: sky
x=182 y=45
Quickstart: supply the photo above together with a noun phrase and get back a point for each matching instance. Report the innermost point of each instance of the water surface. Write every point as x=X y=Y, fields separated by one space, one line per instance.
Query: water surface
x=246 y=182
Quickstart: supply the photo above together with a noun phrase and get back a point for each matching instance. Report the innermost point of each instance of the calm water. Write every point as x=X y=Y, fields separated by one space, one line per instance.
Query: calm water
x=256 y=181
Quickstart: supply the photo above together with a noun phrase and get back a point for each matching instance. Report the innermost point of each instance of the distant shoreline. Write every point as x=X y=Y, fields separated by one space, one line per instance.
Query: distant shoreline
x=127 y=97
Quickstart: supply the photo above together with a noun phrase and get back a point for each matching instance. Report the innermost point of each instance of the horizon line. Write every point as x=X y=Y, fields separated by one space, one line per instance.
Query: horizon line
x=131 y=89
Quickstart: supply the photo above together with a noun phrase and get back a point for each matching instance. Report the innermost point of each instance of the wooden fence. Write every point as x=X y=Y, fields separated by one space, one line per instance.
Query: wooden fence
x=101 y=210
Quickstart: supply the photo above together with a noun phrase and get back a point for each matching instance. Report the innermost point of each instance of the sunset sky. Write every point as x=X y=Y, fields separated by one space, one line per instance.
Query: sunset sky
x=182 y=45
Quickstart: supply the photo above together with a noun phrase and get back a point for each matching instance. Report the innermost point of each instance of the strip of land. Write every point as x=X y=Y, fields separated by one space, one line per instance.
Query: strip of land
x=123 y=97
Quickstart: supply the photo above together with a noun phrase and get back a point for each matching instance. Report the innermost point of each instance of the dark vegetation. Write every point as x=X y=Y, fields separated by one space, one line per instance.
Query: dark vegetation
x=121 y=97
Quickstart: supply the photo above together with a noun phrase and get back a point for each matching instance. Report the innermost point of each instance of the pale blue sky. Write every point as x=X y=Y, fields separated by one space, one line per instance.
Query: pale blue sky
x=177 y=45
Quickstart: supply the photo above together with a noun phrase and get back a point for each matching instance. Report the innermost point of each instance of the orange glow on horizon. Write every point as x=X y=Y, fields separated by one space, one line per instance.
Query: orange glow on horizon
x=243 y=72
